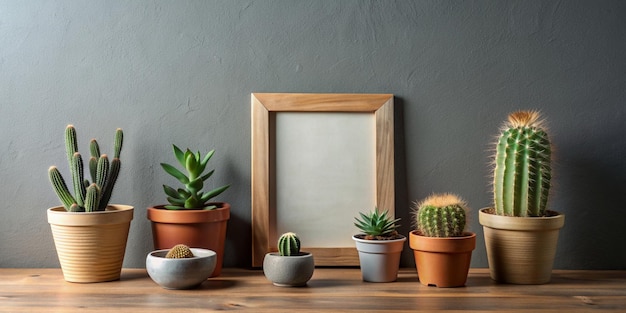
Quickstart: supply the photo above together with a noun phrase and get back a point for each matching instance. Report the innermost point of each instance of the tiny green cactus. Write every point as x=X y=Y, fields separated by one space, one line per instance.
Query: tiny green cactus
x=88 y=197
x=441 y=215
x=289 y=244
x=522 y=172
x=191 y=197
x=376 y=224
x=179 y=251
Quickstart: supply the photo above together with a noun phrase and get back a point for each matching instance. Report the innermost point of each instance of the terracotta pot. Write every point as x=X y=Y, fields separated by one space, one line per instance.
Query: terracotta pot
x=91 y=246
x=379 y=259
x=442 y=262
x=194 y=228
x=521 y=250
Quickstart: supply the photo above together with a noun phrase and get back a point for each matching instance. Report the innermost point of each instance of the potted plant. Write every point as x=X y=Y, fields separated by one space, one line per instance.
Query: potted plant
x=191 y=218
x=441 y=246
x=520 y=232
x=289 y=267
x=180 y=267
x=379 y=246
x=89 y=233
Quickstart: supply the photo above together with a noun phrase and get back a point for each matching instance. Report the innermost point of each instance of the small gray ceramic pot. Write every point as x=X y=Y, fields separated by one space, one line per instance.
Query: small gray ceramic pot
x=288 y=271
x=185 y=273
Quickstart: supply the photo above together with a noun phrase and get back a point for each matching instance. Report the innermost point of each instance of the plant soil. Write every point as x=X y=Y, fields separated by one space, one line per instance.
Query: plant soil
x=395 y=235
x=548 y=213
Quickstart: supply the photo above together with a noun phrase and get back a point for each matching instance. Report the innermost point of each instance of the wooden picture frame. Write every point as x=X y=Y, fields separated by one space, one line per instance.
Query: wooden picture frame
x=264 y=106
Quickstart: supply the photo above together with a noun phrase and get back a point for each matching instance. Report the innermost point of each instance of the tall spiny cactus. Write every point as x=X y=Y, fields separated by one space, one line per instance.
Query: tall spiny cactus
x=88 y=197
x=521 y=179
x=441 y=215
x=289 y=244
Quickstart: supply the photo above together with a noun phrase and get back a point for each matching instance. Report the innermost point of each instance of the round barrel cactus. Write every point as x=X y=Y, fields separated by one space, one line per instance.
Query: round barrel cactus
x=522 y=173
x=441 y=215
x=289 y=244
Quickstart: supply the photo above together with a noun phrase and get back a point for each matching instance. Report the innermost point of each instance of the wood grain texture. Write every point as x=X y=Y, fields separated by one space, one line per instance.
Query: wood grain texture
x=330 y=290
x=263 y=208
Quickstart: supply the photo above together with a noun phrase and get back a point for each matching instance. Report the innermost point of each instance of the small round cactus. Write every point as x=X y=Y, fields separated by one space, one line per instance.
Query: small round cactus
x=179 y=251
x=289 y=244
x=441 y=215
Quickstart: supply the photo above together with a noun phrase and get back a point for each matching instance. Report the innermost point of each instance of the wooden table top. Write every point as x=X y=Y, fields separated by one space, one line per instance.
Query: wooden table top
x=330 y=289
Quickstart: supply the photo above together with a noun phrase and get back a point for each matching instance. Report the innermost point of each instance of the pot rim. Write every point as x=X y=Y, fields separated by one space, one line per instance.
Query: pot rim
x=114 y=214
x=379 y=241
x=462 y=244
x=520 y=223
x=303 y=254
x=158 y=214
x=205 y=253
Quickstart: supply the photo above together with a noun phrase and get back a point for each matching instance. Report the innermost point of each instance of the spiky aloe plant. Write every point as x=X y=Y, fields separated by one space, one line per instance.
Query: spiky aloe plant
x=522 y=173
x=441 y=215
x=88 y=196
x=376 y=224
x=289 y=244
x=191 y=197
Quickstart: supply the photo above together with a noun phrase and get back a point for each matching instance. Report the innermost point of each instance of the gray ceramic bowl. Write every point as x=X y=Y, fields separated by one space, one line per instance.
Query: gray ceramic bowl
x=184 y=273
x=288 y=271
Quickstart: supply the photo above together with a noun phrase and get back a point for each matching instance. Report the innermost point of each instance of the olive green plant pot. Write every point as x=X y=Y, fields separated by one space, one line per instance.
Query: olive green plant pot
x=521 y=250
x=91 y=245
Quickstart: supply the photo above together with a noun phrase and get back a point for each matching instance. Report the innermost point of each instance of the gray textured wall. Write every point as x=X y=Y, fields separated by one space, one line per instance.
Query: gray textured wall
x=182 y=72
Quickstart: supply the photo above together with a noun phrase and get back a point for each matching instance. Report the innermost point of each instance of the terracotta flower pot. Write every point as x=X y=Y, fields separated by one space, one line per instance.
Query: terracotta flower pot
x=91 y=246
x=521 y=250
x=379 y=259
x=442 y=262
x=194 y=228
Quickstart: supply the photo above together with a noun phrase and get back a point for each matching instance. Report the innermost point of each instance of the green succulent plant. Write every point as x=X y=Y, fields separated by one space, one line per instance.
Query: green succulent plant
x=376 y=224
x=191 y=196
x=522 y=172
x=289 y=244
x=88 y=196
x=441 y=215
x=179 y=251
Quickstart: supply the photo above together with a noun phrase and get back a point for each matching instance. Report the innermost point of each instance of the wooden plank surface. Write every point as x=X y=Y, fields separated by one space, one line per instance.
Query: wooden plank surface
x=330 y=289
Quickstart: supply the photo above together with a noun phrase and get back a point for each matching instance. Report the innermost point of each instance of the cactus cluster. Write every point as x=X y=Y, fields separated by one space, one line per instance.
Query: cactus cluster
x=88 y=196
x=522 y=172
x=192 y=196
x=289 y=244
x=376 y=224
x=441 y=215
x=179 y=251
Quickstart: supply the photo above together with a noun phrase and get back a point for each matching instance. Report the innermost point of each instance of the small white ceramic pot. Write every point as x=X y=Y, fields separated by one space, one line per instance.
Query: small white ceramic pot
x=184 y=273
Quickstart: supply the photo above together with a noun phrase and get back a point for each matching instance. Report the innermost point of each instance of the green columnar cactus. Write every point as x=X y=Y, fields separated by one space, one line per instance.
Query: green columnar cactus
x=289 y=244
x=441 y=215
x=88 y=197
x=192 y=196
x=522 y=174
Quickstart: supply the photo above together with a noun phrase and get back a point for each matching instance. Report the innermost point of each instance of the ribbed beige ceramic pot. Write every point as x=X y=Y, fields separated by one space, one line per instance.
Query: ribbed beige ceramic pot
x=91 y=246
x=521 y=250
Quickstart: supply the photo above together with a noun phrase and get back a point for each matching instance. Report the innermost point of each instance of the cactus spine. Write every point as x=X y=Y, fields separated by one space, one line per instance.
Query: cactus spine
x=441 y=215
x=88 y=197
x=289 y=244
x=179 y=251
x=522 y=174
